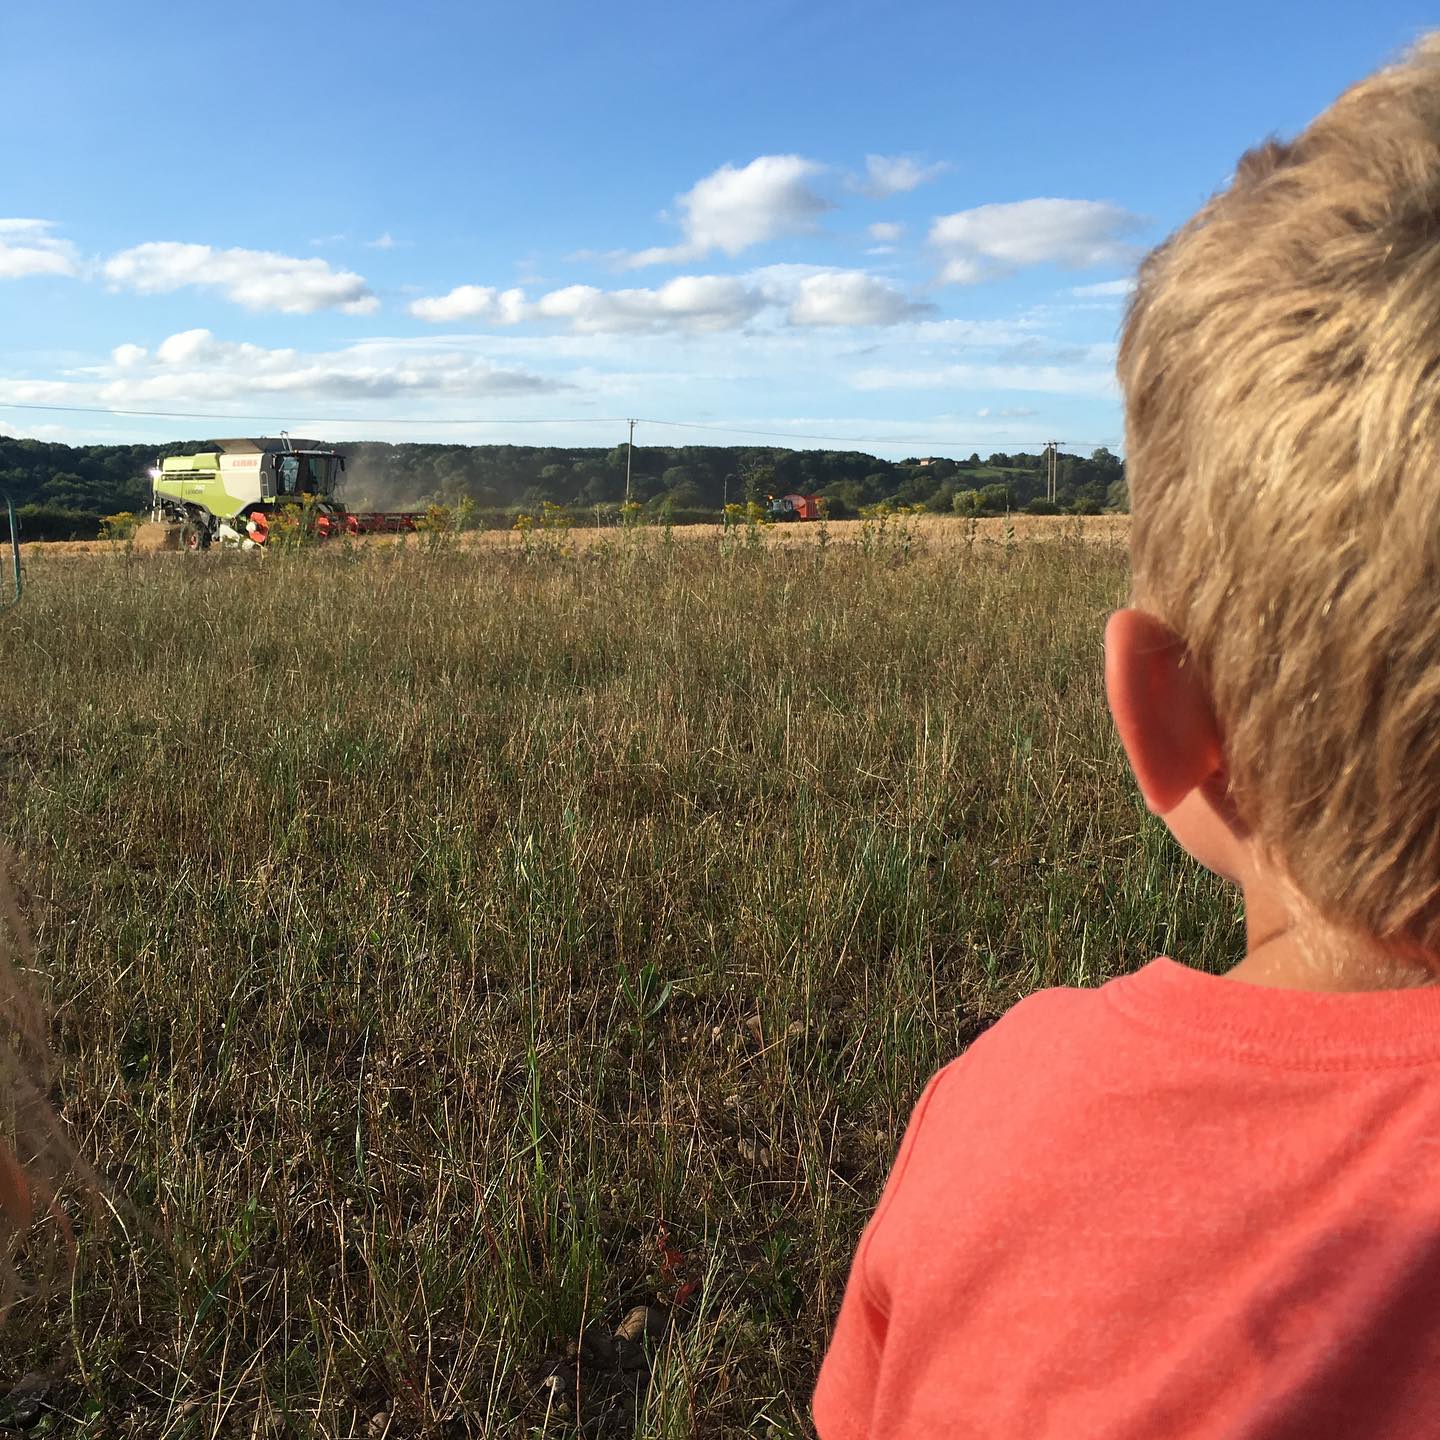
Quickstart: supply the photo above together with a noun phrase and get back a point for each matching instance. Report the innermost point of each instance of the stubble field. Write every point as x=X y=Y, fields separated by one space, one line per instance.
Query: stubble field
x=453 y=949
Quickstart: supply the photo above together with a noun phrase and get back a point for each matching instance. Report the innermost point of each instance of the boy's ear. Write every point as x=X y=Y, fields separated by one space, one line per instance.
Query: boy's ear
x=1161 y=709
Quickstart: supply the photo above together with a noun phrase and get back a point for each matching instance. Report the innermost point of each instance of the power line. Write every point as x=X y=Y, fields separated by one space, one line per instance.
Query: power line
x=859 y=439
x=288 y=414
x=898 y=441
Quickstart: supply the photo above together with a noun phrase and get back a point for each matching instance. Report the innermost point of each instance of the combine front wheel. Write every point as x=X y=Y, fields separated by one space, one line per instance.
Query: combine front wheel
x=194 y=537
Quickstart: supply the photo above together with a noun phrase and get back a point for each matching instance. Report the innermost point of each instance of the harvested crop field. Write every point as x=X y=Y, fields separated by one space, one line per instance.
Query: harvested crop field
x=935 y=531
x=492 y=978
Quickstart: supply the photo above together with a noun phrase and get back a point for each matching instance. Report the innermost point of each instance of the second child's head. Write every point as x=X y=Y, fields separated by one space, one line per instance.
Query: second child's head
x=1278 y=684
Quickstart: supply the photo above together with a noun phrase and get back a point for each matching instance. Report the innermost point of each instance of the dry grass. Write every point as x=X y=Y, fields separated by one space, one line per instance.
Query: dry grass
x=451 y=949
x=937 y=532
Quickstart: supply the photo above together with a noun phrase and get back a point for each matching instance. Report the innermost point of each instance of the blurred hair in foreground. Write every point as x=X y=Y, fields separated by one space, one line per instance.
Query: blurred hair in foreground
x=1281 y=369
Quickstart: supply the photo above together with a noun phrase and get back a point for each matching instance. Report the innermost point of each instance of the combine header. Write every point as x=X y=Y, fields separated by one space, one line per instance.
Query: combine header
x=230 y=493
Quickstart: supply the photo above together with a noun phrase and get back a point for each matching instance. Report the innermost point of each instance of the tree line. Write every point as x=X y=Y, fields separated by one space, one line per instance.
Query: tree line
x=65 y=490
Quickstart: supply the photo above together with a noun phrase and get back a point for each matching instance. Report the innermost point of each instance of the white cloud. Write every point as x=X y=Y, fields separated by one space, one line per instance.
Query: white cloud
x=733 y=209
x=471 y=302
x=256 y=279
x=1044 y=379
x=191 y=347
x=992 y=240
x=1019 y=332
x=851 y=297
x=510 y=306
x=688 y=302
x=38 y=392
x=885 y=232
x=384 y=241
x=197 y=368
x=1104 y=290
x=780 y=376
x=28 y=248
x=63 y=434
x=894 y=174
x=810 y=295
x=818 y=295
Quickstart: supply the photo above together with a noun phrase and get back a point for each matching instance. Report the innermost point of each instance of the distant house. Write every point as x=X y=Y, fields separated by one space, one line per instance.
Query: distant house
x=931 y=459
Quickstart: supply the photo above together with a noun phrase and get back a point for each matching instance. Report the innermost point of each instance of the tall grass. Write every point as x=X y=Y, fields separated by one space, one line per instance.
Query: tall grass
x=449 y=950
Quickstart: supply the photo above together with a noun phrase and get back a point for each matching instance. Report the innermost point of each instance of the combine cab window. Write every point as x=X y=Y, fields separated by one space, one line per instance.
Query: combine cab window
x=319 y=479
x=303 y=474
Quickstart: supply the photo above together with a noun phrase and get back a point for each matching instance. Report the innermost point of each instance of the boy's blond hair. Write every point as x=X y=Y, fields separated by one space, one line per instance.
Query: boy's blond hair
x=1281 y=368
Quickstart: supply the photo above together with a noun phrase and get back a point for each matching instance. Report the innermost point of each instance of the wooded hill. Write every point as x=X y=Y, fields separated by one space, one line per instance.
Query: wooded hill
x=66 y=488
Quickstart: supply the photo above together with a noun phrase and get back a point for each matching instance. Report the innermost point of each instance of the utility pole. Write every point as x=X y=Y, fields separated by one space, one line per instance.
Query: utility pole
x=1052 y=459
x=629 y=451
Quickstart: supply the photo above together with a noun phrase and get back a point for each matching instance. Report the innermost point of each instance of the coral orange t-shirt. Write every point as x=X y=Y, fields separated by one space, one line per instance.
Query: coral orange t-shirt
x=1175 y=1206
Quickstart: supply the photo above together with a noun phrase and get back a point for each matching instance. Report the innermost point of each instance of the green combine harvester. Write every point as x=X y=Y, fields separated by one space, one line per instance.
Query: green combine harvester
x=230 y=492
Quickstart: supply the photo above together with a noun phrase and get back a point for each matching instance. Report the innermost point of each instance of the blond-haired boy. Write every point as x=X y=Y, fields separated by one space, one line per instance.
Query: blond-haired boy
x=1189 y=1205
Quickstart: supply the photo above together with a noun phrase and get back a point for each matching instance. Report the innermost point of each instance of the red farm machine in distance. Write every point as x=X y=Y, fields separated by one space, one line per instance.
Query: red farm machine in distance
x=797 y=507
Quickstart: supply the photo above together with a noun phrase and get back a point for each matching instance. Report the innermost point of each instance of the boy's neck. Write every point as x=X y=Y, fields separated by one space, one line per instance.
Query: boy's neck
x=1288 y=953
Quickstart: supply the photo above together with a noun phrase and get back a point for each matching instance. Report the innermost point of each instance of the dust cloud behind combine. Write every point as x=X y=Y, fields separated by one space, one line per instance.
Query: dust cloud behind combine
x=366 y=485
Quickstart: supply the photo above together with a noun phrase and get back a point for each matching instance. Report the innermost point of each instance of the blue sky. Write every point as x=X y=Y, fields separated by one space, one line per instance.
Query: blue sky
x=906 y=226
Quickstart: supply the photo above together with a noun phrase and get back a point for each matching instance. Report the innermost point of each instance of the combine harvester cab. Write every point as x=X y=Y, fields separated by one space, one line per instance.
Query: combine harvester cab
x=229 y=493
